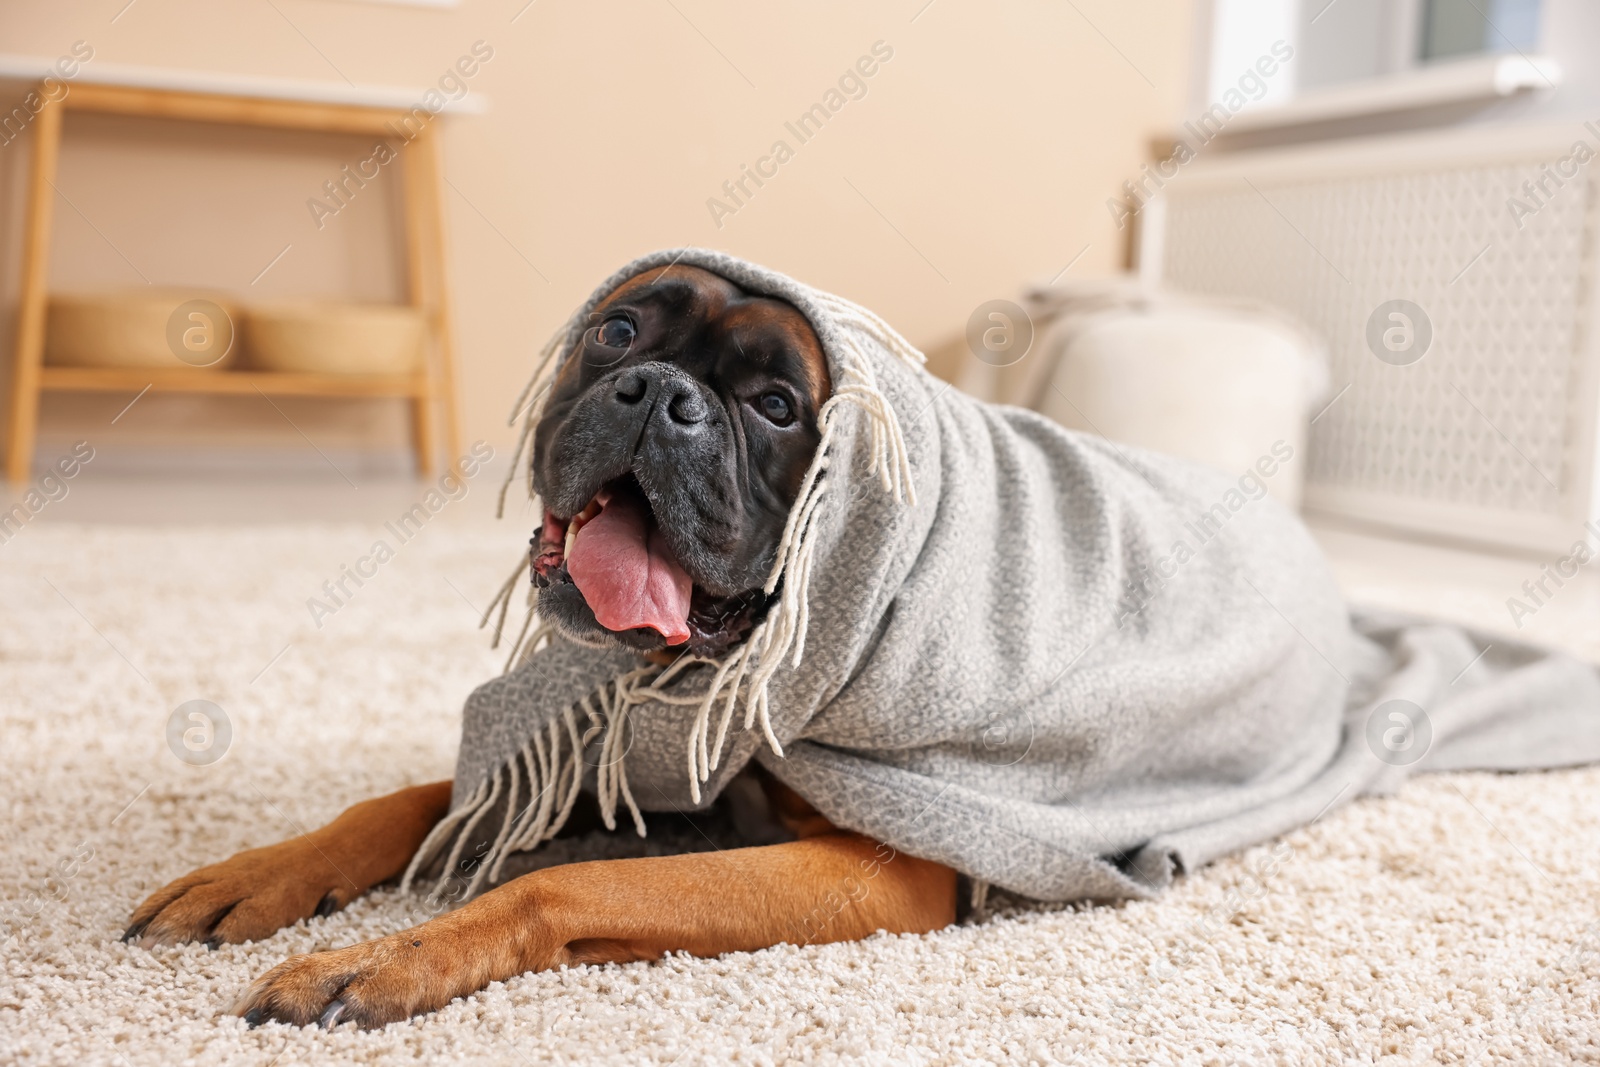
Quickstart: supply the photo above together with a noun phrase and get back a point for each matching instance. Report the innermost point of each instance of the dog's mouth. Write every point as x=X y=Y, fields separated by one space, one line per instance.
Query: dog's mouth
x=614 y=552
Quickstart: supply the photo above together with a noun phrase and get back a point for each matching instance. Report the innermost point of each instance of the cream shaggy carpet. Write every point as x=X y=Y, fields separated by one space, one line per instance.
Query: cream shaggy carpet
x=1455 y=922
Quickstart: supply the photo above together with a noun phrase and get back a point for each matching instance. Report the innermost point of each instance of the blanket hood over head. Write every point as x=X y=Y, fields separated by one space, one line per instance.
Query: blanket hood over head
x=1059 y=665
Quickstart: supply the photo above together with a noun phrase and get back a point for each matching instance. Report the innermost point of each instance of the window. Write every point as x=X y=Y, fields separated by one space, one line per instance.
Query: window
x=1452 y=28
x=1350 y=40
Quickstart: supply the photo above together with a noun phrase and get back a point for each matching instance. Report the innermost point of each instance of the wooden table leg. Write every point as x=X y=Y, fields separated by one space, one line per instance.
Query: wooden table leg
x=422 y=433
x=419 y=295
x=29 y=351
x=430 y=292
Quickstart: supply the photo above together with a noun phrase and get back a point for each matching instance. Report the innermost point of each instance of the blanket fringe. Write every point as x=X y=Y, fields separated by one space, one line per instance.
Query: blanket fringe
x=552 y=766
x=781 y=635
x=978 y=904
x=538 y=787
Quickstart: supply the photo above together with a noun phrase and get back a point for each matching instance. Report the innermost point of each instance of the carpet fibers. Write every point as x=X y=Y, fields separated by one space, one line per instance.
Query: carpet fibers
x=1455 y=922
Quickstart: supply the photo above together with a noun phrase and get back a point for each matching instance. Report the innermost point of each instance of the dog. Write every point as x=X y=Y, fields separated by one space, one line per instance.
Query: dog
x=678 y=438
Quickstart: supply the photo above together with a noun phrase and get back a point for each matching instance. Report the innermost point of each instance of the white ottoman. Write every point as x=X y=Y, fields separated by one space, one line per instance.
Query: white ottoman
x=1228 y=386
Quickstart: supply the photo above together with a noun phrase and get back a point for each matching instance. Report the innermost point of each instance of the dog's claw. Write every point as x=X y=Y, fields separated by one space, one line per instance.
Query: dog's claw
x=213 y=943
x=330 y=1017
x=367 y=985
x=246 y=897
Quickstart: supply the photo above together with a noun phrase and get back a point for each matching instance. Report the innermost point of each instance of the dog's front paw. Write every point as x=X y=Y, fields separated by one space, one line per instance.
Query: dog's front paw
x=370 y=984
x=245 y=898
x=500 y=934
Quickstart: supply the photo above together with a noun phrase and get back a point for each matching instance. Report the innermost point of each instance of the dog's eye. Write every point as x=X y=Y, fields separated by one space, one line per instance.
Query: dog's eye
x=775 y=406
x=615 y=333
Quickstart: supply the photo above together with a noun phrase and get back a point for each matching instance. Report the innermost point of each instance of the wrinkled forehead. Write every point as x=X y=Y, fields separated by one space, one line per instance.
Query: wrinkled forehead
x=764 y=329
x=682 y=288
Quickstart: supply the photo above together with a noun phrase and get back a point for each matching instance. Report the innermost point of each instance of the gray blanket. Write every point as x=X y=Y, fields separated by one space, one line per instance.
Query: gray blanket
x=1058 y=665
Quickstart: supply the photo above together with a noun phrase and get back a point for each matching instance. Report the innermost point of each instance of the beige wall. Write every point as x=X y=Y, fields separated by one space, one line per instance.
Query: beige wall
x=989 y=143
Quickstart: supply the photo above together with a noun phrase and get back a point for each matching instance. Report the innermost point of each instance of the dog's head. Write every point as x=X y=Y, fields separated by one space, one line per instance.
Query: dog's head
x=668 y=455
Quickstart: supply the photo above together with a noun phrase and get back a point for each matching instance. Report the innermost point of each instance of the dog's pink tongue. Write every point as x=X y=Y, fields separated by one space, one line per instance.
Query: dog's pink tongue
x=627 y=573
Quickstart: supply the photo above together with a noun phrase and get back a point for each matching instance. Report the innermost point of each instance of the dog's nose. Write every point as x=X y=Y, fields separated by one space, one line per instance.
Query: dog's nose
x=664 y=388
x=632 y=387
x=687 y=407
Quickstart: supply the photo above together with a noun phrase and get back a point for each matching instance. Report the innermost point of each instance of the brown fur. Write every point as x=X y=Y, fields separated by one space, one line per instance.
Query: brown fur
x=830 y=885
x=259 y=891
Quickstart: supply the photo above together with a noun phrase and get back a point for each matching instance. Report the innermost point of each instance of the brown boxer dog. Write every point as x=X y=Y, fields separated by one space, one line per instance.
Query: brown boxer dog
x=679 y=430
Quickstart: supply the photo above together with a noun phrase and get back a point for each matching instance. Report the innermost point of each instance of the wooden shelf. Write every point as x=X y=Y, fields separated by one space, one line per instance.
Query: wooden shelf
x=400 y=98
x=430 y=392
x=118 y=379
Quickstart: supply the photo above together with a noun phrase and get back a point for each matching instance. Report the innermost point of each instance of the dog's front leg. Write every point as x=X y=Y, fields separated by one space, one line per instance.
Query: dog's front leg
x=832 y=887
x=252 y=894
